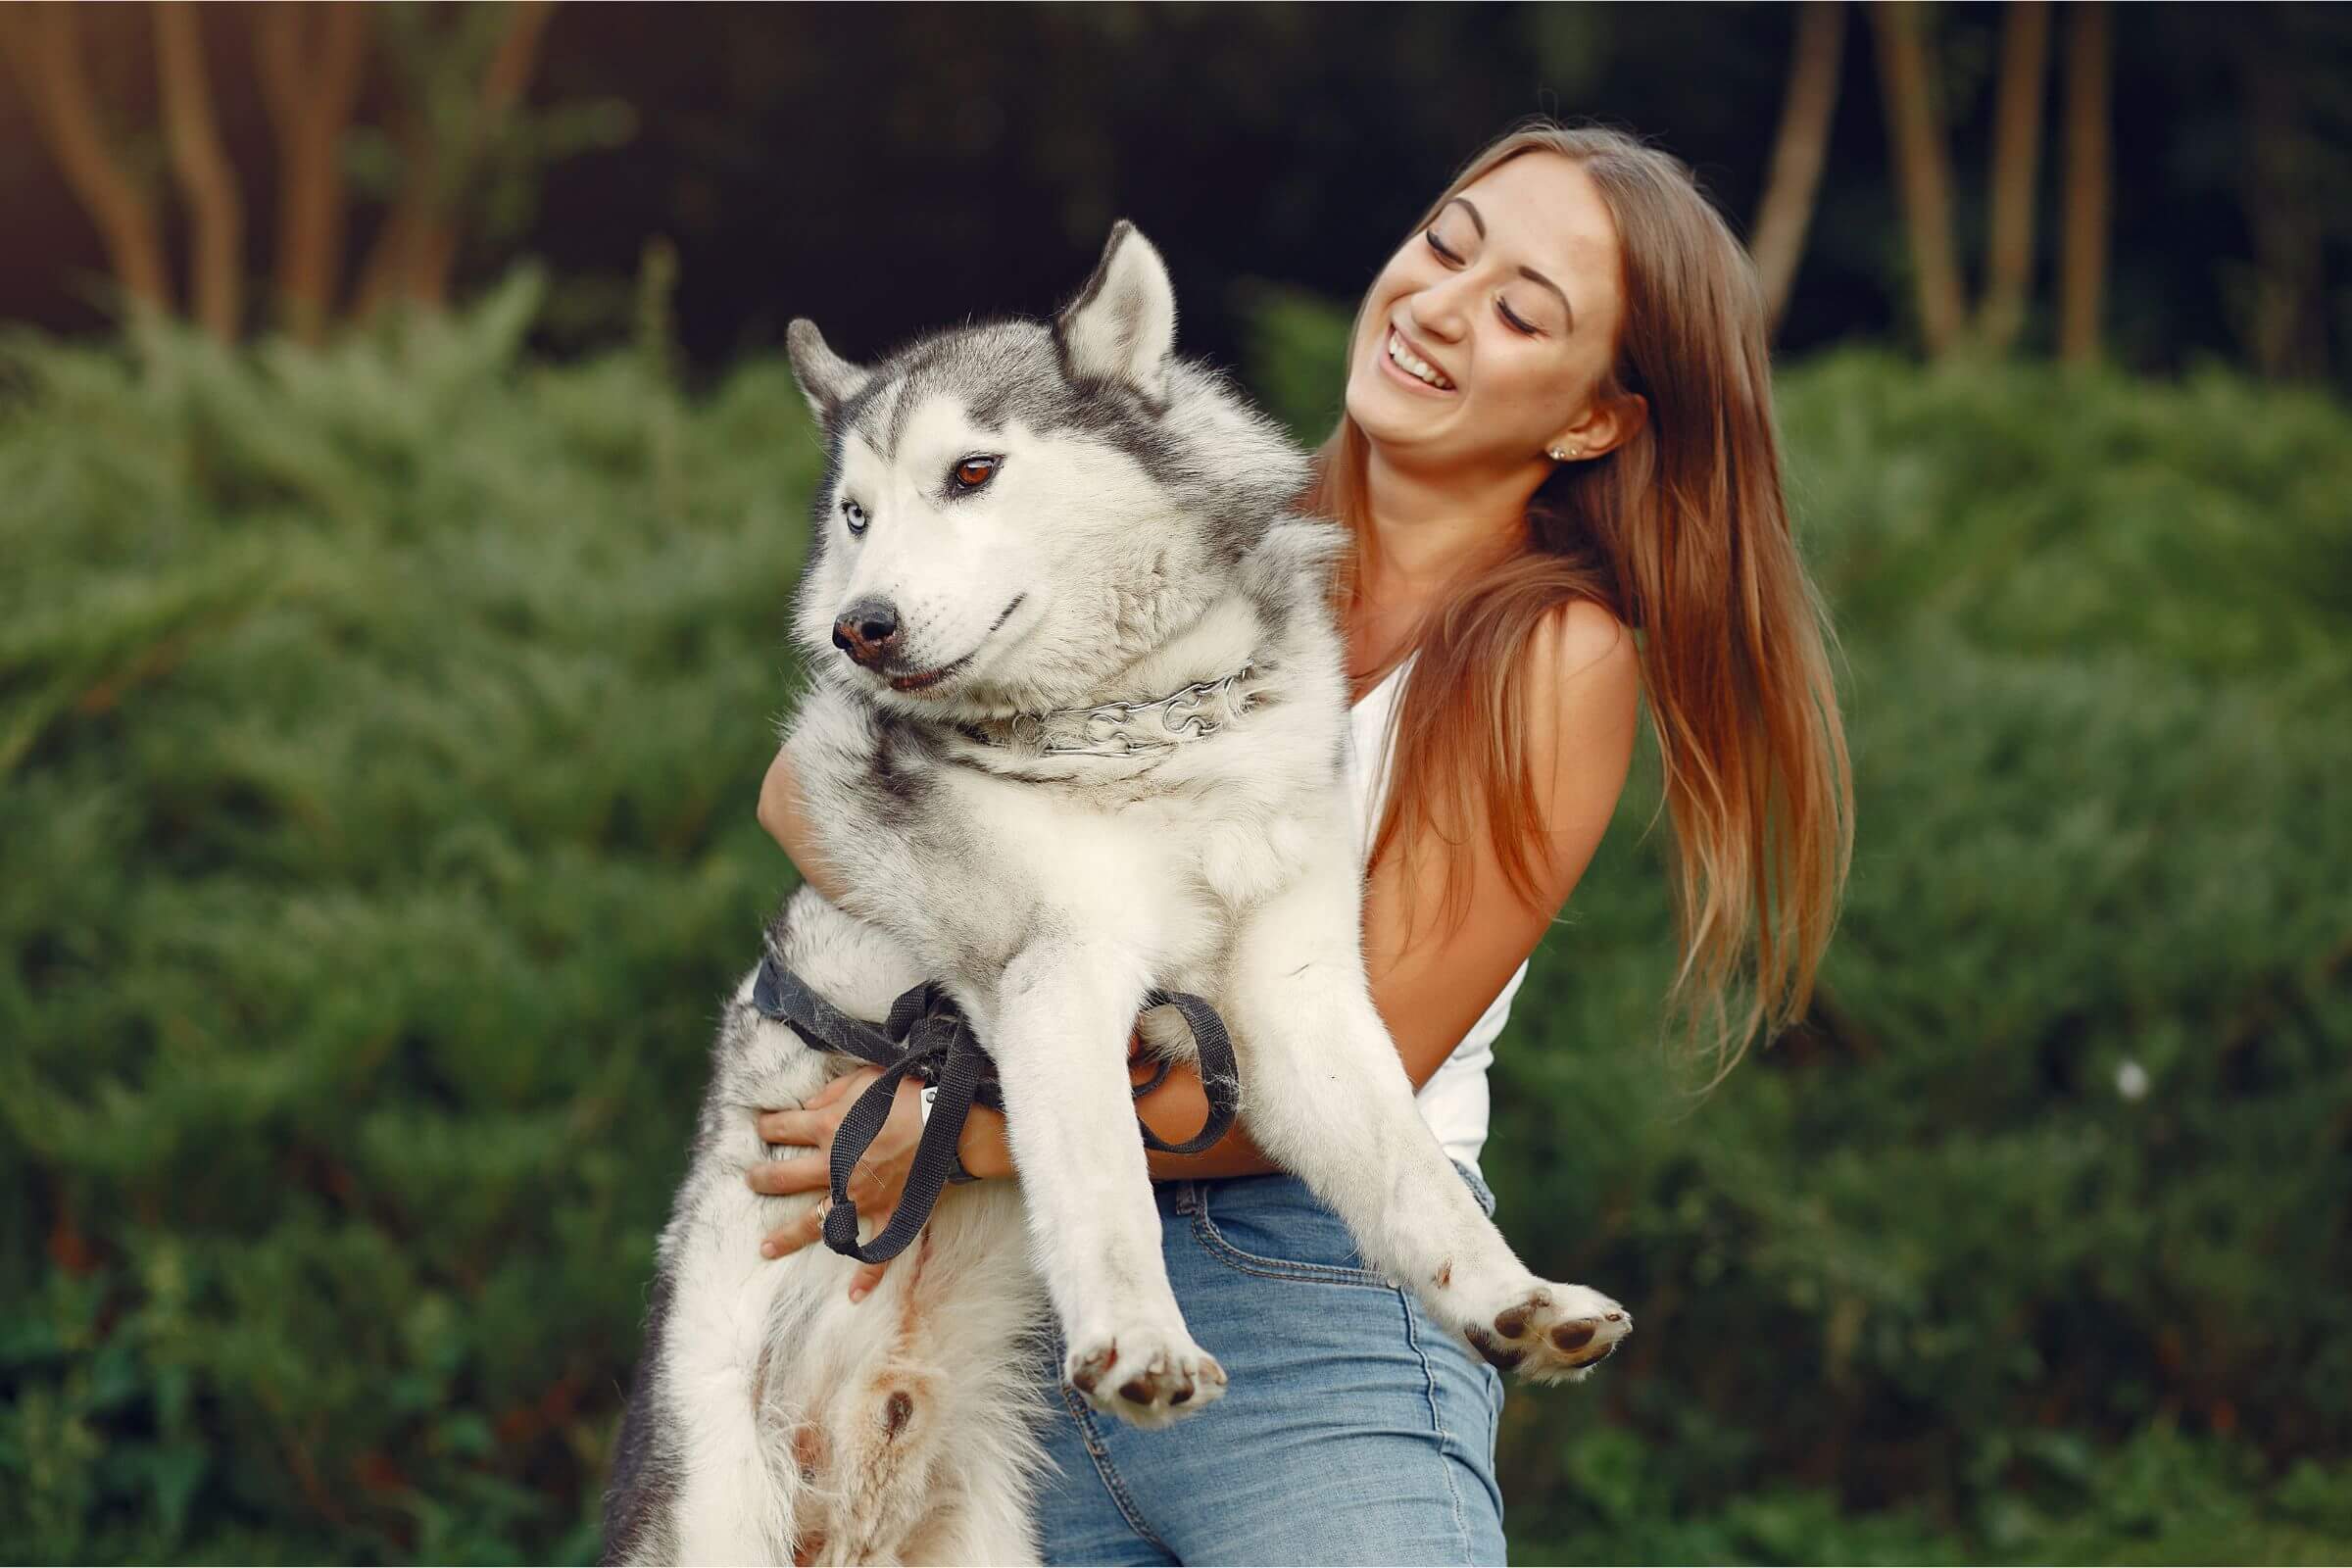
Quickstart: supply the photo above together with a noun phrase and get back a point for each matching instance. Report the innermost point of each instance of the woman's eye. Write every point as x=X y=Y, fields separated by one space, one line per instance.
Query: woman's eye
x=1439 y=245
x=854 y=516
x=1524 y=328
x=972 y=472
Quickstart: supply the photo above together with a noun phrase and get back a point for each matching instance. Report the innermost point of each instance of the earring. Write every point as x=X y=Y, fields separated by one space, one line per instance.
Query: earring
x=1557 y=456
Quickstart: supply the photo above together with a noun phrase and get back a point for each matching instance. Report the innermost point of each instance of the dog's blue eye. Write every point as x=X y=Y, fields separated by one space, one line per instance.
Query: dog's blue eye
x=853 y=516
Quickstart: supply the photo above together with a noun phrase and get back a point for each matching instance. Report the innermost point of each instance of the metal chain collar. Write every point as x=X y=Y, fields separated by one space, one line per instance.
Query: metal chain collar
x=1124 y=730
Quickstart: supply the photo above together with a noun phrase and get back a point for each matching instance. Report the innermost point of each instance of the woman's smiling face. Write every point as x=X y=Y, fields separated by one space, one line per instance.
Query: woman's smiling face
x=1483 y=338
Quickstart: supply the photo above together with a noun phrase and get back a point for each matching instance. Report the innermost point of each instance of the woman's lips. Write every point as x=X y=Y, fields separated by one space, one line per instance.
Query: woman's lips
x=1405 y=377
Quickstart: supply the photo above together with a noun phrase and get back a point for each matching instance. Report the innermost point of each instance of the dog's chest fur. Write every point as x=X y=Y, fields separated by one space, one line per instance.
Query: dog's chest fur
x=1154 y=858
x=971 y=866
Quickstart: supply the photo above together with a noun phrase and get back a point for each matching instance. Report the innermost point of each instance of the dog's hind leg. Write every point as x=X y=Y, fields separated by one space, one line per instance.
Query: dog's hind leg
x=1326 y=1095
x=739 y=1495
x=736 y=1494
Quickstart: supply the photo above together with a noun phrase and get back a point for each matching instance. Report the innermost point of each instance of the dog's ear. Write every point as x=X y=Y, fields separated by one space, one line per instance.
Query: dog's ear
x=827 y=380
x=1122 y=325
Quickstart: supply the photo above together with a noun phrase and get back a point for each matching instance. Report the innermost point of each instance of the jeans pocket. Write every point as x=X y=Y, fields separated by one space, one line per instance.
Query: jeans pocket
x=1275 y=1227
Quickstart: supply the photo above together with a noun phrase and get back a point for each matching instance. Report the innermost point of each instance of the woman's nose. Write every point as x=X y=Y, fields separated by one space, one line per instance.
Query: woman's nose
x=1440 y=311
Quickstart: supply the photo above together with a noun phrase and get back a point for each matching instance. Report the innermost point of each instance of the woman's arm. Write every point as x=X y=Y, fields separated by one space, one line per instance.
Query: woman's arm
x=1583 y=707
x=781 y=814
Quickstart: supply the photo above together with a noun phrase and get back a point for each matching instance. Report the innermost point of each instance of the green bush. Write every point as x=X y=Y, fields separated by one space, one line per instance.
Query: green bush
x=383 y=732
x=379 y=732
x=1938 y=1252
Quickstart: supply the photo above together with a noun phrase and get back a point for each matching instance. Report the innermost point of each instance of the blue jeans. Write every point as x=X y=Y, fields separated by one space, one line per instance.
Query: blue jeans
x=1354 y=1430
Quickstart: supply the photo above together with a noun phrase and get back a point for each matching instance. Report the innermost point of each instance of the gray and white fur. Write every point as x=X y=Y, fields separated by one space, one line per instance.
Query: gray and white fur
x=1132 y=530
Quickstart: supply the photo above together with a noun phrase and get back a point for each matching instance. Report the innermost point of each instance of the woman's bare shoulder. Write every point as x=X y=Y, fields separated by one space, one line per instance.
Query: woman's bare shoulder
x=1584 y=706
x=1580 y=646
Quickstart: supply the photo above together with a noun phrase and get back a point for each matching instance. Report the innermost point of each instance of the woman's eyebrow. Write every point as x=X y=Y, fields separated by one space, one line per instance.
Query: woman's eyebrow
x=1532 y=274
x=1476 y=221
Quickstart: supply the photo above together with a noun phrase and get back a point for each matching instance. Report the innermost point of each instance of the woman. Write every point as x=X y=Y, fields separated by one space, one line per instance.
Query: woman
x=1558 y=432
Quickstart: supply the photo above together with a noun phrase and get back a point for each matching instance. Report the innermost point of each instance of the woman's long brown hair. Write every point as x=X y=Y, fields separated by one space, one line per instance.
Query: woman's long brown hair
x=1682 y=533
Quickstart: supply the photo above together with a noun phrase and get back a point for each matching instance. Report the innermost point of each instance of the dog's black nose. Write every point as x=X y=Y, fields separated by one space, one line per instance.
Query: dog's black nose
x=867 y=631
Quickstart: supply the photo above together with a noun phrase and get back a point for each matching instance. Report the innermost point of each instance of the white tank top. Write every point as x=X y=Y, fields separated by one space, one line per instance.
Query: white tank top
x=1454 y=1100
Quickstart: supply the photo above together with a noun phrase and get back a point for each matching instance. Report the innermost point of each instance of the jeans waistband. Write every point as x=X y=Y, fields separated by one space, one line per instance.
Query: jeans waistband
x=1184 y=1197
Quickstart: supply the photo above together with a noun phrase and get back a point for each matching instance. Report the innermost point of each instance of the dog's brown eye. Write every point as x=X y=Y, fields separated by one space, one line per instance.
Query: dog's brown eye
x=974 y=473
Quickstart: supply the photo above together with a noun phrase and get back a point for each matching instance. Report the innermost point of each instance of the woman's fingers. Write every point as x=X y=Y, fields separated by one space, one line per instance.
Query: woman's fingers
x=805 y=1173
x=795 y=1233
x=812 y=1122
x=806 y=1128
x=845 y=1088
x=808 y=1230
x=869 y=1275
x=874 y=1183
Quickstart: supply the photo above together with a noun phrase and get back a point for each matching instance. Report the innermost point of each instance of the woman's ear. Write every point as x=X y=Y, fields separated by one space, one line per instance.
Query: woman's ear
x=1607 y=424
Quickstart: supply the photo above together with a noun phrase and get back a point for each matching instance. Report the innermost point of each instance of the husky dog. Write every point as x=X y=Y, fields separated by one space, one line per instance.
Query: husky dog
x=1076 y=730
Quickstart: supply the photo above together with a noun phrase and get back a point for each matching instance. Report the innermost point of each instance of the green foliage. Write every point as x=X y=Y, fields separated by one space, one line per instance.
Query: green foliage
x=1296 y=360
x=2060 y=1160
x=380 y=733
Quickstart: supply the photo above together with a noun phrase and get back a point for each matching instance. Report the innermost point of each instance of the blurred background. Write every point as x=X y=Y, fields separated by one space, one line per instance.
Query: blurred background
x=400 y=492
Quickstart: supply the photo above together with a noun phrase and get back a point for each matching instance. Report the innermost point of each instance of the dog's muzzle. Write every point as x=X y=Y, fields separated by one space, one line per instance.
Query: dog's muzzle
x=868 y=632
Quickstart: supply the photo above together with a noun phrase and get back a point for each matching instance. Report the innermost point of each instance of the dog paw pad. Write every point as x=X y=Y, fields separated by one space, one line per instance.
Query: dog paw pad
x=1166 y=1378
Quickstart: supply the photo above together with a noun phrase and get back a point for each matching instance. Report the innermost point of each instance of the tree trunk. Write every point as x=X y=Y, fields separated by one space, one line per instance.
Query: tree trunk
x=417 y=252
x=392 y=264
x=2284 y=316
x=1798 y=149
x=206 y=178
x=2016 y=162
x=44 y=44
x=312 y=93
x=1923 y=171
x=2084 y=284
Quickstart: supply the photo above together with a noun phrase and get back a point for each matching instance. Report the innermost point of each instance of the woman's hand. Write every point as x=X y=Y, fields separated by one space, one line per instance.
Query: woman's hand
x=876 y=1184
x=880 y=1179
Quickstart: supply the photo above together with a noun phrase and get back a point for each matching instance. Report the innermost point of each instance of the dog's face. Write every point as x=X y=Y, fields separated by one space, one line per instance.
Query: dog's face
x=1011 y=510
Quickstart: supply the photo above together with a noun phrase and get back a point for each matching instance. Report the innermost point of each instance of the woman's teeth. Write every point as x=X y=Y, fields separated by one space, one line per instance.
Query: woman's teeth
x=1413 y=365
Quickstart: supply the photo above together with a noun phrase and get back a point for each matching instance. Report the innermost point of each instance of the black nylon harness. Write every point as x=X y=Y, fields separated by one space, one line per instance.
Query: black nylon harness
x=928 y=1036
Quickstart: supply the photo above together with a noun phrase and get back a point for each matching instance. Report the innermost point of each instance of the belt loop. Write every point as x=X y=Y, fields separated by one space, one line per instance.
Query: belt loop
x=1188 y=1198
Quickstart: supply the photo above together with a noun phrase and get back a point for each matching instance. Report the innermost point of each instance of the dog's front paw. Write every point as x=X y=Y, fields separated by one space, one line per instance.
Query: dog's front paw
x=1144 y=1377
x=1550 y=1333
